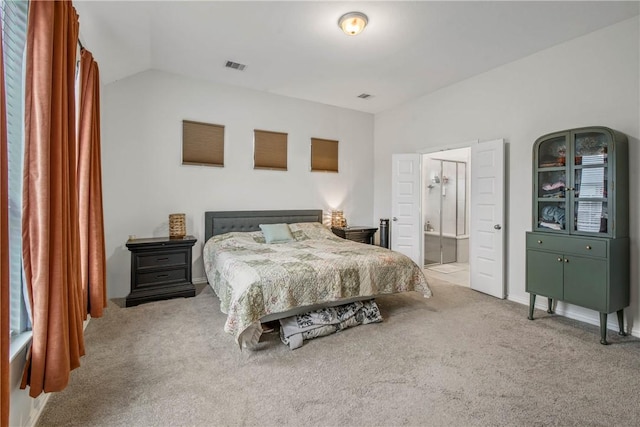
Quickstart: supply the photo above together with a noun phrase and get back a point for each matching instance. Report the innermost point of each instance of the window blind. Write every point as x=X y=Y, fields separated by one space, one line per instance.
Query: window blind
x=202 y=144
x=14 y=35
x=269 y=150
x=324 y=155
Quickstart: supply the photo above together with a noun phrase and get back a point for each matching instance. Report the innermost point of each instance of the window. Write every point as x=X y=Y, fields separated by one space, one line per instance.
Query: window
x=269 y=150
x=202 y=144
x=14 y=29
x=324 y=155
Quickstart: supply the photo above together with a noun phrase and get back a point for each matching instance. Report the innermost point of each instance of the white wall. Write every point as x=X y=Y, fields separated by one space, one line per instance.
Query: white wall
x=592 y=80
x=144 y=181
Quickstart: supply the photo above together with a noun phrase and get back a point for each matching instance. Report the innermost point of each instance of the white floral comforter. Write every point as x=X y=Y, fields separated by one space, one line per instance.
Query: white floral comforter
x=253 y=279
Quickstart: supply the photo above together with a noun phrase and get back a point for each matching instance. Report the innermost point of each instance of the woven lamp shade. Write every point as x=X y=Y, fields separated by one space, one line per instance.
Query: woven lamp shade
x=177 y=226
x=337 y=219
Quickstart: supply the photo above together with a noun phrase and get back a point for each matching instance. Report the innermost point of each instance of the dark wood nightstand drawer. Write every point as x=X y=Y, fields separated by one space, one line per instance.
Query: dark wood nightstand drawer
x=161 y=277
x=360 y=236
x=356 y=234
x=161 y=259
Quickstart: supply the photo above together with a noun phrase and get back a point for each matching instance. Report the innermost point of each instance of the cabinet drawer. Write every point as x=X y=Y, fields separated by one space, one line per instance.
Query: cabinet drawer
x=159 y=259
x=572 y=245
x=590 y=247
x=359 y=236
x=157 y=277
x=355 y=234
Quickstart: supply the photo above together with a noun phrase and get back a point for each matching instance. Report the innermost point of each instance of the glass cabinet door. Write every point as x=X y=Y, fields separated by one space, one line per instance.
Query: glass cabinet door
x=591 y=148
x=573 y=182
x=552 y=152
x=552 y=216
x=581 y=183
x=590 y=185
x=551 y=184
x=551 y=199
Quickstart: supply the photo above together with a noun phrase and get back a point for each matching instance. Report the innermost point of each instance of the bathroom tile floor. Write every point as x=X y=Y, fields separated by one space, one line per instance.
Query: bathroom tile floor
x=455 y=272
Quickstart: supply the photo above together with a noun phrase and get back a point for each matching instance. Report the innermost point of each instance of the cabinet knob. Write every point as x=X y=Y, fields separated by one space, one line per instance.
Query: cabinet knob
x=566 y=260
x=588 y=247
x=539 y=242
x=559 y=259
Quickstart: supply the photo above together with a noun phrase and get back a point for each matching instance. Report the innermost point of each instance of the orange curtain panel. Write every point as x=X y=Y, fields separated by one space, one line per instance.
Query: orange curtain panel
x=5 y=330
x=51 y=243
x=92 y=251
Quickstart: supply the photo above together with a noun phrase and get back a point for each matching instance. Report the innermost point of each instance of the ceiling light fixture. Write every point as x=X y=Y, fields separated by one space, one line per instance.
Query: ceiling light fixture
x=353 y=23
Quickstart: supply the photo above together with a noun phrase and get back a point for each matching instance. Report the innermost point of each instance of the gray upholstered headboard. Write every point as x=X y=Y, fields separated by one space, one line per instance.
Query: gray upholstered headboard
x=224 y=222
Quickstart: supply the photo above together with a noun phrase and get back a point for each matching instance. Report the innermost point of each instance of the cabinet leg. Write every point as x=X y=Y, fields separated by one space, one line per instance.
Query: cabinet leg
x=532 y=303
x=621 y=322
x=603 y=329
x=550 y=309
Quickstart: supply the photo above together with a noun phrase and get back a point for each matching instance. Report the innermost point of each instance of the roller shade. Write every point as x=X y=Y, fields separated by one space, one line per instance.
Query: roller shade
x=324 y=155
x=270 y=150
x=202 y=144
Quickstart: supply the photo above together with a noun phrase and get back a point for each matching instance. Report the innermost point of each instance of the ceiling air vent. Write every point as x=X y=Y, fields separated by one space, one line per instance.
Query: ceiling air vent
x=235 y=65
x=364 y=95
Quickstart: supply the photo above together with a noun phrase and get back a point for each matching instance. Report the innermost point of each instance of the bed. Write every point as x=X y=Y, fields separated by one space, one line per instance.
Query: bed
x=258 y=282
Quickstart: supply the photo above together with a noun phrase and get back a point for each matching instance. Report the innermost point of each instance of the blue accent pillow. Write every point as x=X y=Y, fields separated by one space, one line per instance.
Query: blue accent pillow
x=276 y=233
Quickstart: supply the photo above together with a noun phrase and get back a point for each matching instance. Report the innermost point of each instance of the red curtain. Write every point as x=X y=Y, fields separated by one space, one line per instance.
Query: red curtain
x=92 y=251
x=5 y=322
x=50 y=224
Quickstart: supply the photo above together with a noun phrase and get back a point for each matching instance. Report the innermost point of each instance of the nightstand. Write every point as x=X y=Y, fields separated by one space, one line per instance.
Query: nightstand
x=356 y=233
x=160 y=269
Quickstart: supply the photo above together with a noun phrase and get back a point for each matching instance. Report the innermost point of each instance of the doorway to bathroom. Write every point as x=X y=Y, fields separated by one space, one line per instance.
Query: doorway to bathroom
x=445 y=211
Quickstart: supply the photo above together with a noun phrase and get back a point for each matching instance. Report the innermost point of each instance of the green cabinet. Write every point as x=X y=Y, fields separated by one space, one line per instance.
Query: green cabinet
x=581 y=183
x=578 y=251
x=544 y=273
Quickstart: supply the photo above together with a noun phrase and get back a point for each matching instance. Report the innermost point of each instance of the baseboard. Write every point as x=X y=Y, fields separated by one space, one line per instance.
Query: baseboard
x=24 y=411
x=576 y=313
x=35 y=415
x=199 y=280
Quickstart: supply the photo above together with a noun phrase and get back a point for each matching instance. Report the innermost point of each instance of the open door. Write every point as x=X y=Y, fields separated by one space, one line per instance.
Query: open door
x=487 y=236
x=405 y=205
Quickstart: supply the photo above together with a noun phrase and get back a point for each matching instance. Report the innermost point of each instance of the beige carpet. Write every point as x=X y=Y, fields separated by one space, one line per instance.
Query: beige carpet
x=460 y=358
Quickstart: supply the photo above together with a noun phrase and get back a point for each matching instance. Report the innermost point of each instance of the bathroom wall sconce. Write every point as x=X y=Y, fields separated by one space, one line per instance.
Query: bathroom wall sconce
x=353 y=23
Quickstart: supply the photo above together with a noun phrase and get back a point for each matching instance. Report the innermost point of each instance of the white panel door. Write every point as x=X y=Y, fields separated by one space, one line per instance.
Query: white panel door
x=486 y=240
x=405 y=209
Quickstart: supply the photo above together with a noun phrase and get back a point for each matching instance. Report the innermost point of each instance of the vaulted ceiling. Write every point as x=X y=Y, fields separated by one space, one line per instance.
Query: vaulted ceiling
x=295 y=48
